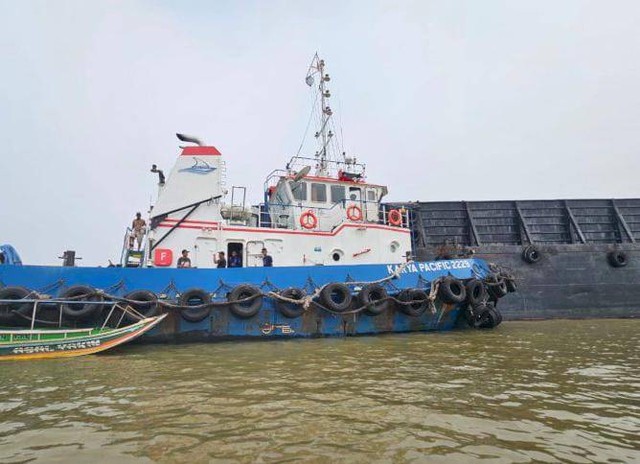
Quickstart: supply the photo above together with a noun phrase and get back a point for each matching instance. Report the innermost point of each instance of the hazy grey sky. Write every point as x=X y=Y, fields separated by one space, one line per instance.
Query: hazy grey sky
x=445 y=100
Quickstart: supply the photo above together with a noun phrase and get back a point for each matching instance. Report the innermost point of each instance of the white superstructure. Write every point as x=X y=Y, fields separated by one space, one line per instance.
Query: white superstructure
x=332 y=216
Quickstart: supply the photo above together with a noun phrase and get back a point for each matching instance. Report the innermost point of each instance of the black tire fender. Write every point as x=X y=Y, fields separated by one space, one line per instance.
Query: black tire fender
x=498 y=314
x=195 y=297
x=512 y=286
x=531 y=254
x=84 y=310
x=617 y=258
x=143 y=301
x=291 y=310
x=451 y=290
x=375 y=299
x=7 y=309
x=476 y=292
x=420 y=299
x=497 y=287
x=336 y=297
x=249 y=308
x=486 y=317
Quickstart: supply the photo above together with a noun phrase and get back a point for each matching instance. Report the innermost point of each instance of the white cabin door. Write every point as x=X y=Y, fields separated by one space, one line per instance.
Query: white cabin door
x=206 y=249
x=371 y=206
x=254 y=253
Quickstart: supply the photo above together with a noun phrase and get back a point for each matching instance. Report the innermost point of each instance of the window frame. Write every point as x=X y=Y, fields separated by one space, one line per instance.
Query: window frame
x=324 y=190
x=297 y=186
x=344 y=193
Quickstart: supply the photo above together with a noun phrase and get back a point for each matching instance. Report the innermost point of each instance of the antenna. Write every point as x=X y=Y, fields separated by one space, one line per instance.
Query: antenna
x=302 y=173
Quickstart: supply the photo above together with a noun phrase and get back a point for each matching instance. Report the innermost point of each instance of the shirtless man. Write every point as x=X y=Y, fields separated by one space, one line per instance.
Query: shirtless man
x=138 y=229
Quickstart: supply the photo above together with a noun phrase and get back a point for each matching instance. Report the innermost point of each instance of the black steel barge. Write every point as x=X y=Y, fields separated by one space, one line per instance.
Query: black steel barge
x=570 y=258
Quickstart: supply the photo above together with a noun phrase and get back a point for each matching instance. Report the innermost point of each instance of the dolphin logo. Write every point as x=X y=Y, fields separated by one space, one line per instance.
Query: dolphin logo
x=199 y=167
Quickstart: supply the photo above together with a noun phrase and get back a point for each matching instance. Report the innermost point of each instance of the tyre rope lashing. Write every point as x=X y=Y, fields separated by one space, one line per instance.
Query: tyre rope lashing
x=296 y=299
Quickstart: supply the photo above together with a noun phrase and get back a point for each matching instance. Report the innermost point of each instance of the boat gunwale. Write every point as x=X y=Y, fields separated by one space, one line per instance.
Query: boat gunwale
x=105 y=333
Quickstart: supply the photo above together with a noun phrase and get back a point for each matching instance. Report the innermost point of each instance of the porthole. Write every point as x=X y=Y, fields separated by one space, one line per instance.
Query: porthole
x=394 y=246
x=337 y=255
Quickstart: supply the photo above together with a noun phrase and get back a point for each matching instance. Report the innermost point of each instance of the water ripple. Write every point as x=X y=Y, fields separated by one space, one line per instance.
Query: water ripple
x=560 y=391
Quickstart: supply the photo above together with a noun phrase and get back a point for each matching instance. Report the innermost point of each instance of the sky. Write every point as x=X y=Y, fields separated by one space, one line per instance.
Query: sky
x=444 y=100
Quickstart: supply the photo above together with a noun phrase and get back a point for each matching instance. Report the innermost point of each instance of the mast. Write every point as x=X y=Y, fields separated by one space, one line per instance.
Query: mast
x=324 y=134
x=330 y=158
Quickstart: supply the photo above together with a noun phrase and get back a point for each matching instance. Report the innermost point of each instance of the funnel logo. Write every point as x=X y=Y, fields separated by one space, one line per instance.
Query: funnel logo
x=199 y=167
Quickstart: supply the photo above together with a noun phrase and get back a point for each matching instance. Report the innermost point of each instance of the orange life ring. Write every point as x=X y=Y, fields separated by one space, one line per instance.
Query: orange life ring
x=395 y=218
x=308 y=220
x=354 y=213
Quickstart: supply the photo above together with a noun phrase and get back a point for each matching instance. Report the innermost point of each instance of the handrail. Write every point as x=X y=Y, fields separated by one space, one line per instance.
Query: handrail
x=381 y=214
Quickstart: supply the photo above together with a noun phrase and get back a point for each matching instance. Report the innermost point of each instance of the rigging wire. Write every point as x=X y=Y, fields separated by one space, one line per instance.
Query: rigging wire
x=311 y=115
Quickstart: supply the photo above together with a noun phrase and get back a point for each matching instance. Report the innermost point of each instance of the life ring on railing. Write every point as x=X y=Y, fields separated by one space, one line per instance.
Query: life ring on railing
x=395 y=217
x=354 y=213
x=308 y=220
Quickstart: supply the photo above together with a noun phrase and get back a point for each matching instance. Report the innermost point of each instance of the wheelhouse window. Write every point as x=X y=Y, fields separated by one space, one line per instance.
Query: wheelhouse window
x=355 y=194
x=299 y=190
x=319 y=193
x=371 y=195
x=338 y=193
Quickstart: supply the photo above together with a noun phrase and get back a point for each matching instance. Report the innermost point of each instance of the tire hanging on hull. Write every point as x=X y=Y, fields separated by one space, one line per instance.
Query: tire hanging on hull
x=419 y=299
x=336 y=297
x=8 y=310
x=195 y=297
x=249 y=308
x=617 y=258
x=291 y=310
x=531 y=254
x=375 y=299
x=143 y=301
x=484 y=316
x=84 y=311
x=452 y=291
x=476 y=292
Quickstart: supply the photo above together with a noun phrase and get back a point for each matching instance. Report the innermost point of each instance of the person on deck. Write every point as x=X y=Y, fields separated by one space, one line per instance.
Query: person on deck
x=220 y=261
x=184 y=261
x=137 y=231
x=267 y=261
x=235 y=260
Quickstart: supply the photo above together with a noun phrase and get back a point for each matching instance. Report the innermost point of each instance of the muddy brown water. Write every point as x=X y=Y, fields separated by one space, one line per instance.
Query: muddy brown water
x=551 y=391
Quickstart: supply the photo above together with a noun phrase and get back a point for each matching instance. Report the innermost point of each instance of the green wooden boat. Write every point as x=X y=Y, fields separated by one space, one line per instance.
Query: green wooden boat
x=31 y=343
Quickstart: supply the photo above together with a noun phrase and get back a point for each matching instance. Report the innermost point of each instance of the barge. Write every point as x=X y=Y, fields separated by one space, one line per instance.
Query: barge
x=571 y=258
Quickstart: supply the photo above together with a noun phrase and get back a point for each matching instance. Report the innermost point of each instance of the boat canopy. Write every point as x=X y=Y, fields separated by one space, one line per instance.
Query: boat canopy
x=11 y=256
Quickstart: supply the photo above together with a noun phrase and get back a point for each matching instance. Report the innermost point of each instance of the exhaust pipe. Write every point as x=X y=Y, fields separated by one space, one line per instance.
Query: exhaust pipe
x=189 y=138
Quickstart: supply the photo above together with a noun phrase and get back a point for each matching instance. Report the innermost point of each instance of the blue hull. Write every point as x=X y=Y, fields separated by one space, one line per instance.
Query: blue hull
x=221 y=324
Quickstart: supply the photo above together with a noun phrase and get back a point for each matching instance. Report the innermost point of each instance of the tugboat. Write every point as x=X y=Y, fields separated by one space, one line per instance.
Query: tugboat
x=321 y=256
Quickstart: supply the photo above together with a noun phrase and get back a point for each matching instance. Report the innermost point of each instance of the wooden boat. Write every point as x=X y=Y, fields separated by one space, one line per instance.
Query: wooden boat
x=26 y=344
